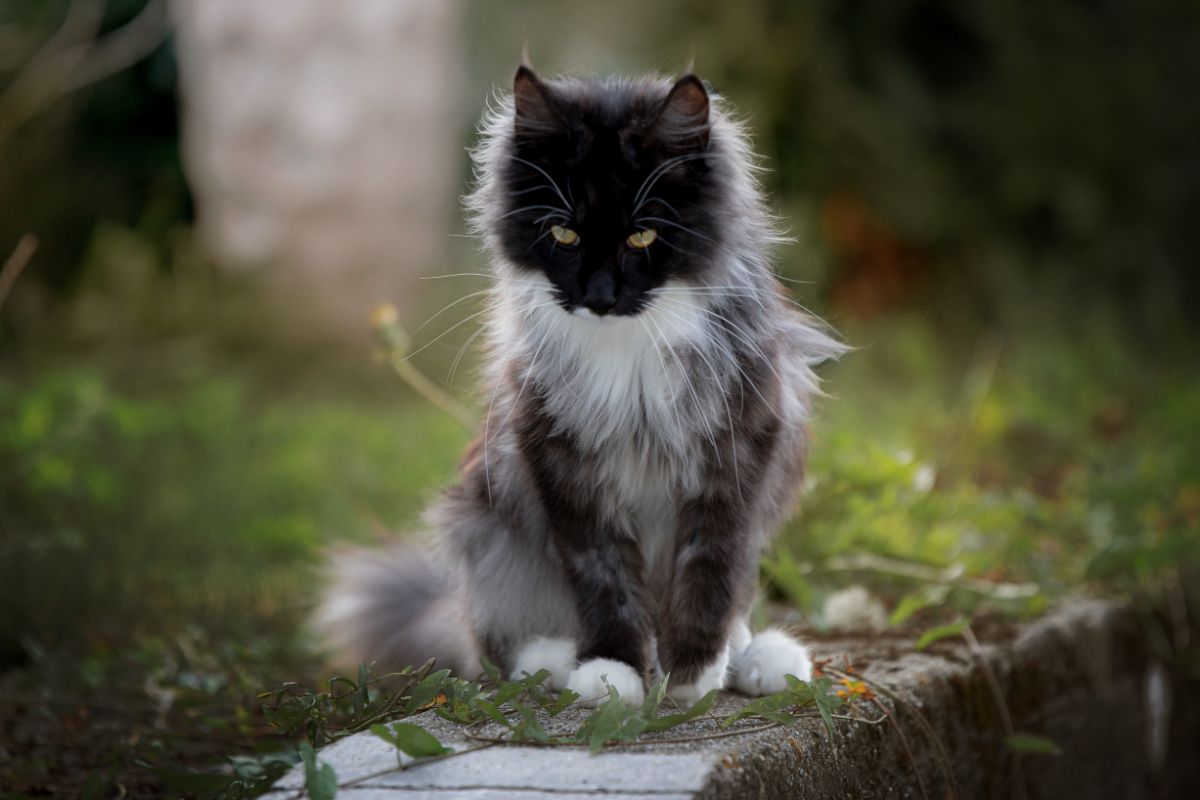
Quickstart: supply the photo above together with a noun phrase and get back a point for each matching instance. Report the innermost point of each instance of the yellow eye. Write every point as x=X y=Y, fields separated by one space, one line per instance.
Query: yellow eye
x=642 y=239
x=564 y=235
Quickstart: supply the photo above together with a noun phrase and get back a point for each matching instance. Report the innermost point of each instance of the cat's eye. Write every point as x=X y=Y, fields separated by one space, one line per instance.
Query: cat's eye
x=564 y=235
x=642 y=239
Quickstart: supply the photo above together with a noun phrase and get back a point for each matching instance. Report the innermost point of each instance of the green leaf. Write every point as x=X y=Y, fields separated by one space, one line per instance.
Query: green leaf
x=506 y=691
x=655 y=697
x=631 y=729
x=291 y=714
x=565 y=698
x=529 y=729
x=536 y=679
x=925 y=597
x=338 y=680
x=1031 y=744
x=320 y=781
x=410 y=739
x=426 y=690
x=492 y=671
x=492 y=711
x=604 y=724
x=363 y=698
x=769 y=706
x=825 y=700
x=697 y=709
x=941 y=632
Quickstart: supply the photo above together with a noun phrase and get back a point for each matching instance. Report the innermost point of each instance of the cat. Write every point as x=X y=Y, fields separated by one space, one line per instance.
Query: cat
x=648 y=387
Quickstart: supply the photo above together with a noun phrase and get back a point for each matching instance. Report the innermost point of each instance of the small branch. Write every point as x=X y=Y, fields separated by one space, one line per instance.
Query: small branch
x=415 y=763
x=904 y=743
x=635 y=743
x=123 y=47
x=951 y=576
x=73 y=58
x=944 y=762
x=431 y=391
x=15 y=264
x=997 y=691
x=385 y=321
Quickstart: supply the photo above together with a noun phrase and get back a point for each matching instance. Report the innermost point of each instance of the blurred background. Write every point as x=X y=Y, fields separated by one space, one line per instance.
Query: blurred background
x=201 y=202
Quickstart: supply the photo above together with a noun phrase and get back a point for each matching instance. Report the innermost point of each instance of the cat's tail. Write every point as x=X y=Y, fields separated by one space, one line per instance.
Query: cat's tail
x=395 y=607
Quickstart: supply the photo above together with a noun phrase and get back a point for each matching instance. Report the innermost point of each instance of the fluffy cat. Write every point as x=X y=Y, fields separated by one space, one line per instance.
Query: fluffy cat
x=648 y=387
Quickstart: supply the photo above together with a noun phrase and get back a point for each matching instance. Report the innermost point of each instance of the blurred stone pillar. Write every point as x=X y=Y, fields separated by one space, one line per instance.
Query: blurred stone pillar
x=321 y=144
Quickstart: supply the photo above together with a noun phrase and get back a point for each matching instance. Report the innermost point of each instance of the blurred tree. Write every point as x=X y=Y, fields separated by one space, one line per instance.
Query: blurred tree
x=316 y=143
x=1016 y=155
x=90 y=128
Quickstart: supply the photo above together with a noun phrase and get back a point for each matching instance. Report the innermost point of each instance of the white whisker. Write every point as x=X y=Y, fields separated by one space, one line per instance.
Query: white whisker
x=458 y=275
x=720 y=388
x=684 y=228
x=564 y=212
x=691 y=389
x=461 y=352
x=447 y=307
x=546 y=175
x=658 y=172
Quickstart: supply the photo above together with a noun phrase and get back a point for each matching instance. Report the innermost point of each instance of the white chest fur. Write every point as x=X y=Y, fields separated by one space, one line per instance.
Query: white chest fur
x=620 y=385
x=607 y=377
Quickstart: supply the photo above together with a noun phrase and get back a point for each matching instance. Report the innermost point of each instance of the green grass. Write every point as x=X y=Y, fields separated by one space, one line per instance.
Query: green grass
x=1066 y=463
x=160 y=538
x=197 y=501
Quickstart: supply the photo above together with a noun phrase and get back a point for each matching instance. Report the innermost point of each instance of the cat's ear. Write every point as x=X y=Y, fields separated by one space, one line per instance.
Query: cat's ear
x=682 y=124
x=533 y=103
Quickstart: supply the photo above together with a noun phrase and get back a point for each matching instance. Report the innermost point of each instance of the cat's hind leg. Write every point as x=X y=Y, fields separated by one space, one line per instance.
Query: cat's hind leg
x=554 y=654
x=770 y=655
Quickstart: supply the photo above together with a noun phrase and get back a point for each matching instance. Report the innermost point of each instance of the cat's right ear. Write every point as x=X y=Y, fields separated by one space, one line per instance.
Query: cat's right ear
x=533 y=103
x=682 y=125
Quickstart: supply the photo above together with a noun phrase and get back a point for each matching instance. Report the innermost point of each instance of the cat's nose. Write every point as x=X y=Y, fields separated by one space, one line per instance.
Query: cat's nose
x=601 y=294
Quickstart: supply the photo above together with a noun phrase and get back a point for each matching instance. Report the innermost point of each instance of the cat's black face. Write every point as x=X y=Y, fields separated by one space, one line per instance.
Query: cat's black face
x=609 y=188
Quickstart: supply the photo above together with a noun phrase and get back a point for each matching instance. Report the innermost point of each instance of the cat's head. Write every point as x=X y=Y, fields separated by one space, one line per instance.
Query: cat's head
x=608 y=188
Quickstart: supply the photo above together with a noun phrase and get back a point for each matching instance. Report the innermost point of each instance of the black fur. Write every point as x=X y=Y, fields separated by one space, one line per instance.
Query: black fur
x=600 y=142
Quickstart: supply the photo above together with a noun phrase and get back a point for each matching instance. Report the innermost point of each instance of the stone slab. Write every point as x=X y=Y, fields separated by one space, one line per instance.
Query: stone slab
x=1083 y=675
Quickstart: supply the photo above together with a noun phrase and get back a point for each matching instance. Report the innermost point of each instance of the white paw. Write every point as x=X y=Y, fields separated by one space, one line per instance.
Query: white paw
x=544 y=652
x=591 y=680
x=713 y=677
x=771 y=655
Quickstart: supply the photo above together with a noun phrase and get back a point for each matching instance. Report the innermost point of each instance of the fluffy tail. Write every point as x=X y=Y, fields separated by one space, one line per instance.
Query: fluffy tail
x=395 y=607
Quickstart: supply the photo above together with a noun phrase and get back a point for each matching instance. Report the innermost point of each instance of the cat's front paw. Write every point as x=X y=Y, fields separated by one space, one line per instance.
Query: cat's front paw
x=591 y=679
x=713 y=677
x=760 y=668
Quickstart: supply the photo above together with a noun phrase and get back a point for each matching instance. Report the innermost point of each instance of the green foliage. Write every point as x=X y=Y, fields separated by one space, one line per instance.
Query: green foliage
x=940 y=632
x=783 y=707
x=347 y=706
x=320 y=781
x=226 y=493
x=996 y=484
x=1030 y=744
x=410 y=739
x=930 y=596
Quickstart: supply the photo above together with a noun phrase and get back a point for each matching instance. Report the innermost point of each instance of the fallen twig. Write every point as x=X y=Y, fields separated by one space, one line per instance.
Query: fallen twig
x=15 y=264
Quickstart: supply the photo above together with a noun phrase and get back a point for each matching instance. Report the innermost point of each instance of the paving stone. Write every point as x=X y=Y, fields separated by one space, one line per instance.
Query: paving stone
x=1084 y=675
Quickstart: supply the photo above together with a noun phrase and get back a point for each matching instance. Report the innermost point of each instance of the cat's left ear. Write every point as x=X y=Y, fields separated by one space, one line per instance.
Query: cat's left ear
x=682 y=124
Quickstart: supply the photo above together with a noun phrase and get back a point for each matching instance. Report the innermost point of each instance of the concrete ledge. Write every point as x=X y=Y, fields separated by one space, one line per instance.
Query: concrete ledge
x=1082 y=676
